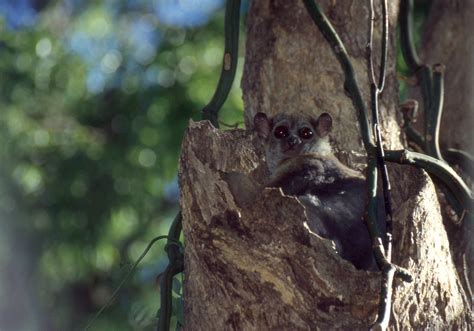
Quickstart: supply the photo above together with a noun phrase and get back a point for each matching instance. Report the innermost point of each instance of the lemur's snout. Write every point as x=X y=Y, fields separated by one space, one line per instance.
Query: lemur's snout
x=293 y=140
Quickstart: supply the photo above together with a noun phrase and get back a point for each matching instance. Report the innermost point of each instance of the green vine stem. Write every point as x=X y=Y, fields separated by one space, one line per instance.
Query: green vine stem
x=438 y=169
x=350 y=84
x=383 y=61
x=211 y=113
x=175 y=266
x=406 y=36
x=463 y=159
x=431 y=81
x=229 y=63
x=375 y=90
x=123 y=281
x=432 y=90
x=425 y=80
x=433 y=117
x=452 y=156
x=388 y=269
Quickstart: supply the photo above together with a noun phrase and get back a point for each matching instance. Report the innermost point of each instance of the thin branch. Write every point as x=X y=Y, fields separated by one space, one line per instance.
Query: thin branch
x=370 y=45
x=384 y=46
x=383 y=316
x=124 y=280
x=388 y=269
x=375 y=91
x=175 y=266
x=383 y=61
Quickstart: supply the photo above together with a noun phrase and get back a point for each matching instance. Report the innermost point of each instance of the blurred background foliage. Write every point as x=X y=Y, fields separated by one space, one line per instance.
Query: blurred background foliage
x=94 y=100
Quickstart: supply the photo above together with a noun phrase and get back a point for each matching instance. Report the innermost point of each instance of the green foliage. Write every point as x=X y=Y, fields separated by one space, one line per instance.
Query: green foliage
x=93 y=105
x=91 y=123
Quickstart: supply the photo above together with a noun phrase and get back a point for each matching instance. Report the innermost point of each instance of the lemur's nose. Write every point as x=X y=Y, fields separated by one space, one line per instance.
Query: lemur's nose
x=293 y=140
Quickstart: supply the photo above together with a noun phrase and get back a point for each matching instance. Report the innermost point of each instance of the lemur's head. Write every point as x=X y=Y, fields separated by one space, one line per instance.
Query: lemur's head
x=288 y=135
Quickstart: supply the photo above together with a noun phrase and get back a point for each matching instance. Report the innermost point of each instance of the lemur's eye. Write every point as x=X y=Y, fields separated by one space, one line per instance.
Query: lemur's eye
x=281 y=132
x=305 y=133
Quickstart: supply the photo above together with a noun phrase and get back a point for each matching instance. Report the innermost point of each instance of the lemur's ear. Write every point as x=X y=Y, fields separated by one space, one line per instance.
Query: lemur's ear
x=262 y=125
x=323 y=124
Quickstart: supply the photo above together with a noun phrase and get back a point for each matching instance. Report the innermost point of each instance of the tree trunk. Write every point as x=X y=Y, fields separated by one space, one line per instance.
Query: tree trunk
x=448 y=39
x=250 y=261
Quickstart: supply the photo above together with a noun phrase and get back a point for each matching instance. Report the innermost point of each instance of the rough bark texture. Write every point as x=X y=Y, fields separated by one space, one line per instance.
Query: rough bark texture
x=448 y=39
x=250 y=261
x=291 y=68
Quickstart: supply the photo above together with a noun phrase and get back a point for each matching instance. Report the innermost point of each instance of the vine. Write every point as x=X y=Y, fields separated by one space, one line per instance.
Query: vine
x=431 y=83
x=210 y=112
x=432 y=87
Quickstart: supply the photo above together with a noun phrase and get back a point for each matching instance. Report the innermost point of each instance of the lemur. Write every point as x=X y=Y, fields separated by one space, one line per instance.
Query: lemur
x=301 y=162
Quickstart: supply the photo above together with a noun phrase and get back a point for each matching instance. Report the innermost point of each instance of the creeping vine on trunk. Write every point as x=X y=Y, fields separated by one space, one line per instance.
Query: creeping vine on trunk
x=431 y=81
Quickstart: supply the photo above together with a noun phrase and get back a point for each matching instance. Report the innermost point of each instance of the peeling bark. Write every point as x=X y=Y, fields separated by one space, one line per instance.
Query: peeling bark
x=251 y=263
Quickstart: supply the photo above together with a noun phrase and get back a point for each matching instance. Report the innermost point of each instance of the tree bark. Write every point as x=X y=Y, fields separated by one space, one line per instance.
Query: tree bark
x=251 y=263
x=448 y=39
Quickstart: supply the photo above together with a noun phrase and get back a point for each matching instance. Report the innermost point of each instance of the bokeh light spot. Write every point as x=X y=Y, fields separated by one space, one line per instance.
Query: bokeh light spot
x=43 y=47
x=188 y=65
x=111 y=61
x=147 y=158
x=41 y=138
x=149 y=136
x=29 y=177
x=23 y=62
x=166 y=78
